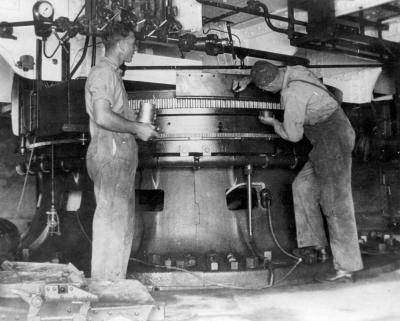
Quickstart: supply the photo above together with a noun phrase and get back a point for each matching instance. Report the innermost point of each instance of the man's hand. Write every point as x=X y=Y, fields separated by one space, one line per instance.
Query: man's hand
x=267 y=120
x=240 y=85
x=145 y=131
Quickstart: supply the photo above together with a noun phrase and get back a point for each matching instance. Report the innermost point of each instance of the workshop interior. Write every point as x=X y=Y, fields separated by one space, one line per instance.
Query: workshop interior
x=213 y=193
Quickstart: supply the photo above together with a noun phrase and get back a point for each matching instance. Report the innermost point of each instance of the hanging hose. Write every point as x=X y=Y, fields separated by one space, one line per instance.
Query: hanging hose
x=274 y=236
x=85 y=48
x=298 y=259
x=26 y=177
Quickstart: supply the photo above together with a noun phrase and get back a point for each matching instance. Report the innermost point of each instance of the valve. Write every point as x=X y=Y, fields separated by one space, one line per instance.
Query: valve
x=211 y=44
x=266 y=197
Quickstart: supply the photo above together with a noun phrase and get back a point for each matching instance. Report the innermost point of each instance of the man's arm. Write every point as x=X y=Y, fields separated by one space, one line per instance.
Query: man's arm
x=106 y=118
x=292 y=127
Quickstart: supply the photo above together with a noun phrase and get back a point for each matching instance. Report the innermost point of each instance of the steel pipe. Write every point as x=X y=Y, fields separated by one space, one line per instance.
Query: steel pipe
x=248 y=11
x=248 y=170
x=262 y=161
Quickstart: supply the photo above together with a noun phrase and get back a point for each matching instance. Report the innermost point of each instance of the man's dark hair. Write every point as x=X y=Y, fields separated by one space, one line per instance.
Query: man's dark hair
x=114 y=33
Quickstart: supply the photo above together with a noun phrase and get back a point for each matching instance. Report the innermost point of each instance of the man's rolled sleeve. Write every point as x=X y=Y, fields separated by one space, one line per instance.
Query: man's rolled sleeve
x=100 y=86
x=292 y=128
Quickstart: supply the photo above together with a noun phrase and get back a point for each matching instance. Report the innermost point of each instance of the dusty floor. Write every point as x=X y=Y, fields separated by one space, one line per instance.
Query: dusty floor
x=370 y=299
x=374 y=296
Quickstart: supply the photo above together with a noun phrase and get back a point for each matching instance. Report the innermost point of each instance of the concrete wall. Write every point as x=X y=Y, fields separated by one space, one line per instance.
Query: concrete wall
x=11 y=183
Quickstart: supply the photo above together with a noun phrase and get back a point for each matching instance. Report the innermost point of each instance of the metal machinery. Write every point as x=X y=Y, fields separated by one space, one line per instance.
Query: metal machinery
x=213 y=192
x=207 y=186
x=199 y=188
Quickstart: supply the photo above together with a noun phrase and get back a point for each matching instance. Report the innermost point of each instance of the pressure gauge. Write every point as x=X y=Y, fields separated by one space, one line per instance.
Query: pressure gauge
x=43 y=11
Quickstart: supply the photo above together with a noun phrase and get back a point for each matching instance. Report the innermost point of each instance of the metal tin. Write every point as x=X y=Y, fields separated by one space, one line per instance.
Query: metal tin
x=267 y=113
x=146 y=113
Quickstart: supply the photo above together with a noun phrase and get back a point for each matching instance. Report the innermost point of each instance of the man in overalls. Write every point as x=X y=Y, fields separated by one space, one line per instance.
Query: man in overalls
x=325 y=180
x=112 y=156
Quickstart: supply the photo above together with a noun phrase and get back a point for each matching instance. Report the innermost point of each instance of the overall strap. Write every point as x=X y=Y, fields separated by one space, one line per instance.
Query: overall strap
x=320 y=87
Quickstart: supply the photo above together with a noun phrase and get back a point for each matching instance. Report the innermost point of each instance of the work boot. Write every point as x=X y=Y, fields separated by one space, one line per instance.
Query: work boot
x=338 y=276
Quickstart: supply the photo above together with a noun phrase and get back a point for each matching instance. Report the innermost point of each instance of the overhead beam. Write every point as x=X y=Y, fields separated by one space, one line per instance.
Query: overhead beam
x=365 y=22
x=390 y=7
x=247 y=10
x=220 y=17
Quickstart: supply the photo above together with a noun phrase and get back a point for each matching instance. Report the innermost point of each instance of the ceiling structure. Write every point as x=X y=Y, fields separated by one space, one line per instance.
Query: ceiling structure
x=349 y=26
x=212 y=12
x=373 y=11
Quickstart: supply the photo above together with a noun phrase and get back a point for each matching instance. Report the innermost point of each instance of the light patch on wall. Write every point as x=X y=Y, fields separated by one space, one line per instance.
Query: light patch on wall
x=255 y=34
x=189 y=14
x=10 y=4
x=51 y=67
x=357 y=86
x=6 y=80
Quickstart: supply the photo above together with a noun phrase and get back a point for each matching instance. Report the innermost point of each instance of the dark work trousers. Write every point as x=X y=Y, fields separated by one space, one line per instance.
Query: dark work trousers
x=325 y=183
x=111 y=162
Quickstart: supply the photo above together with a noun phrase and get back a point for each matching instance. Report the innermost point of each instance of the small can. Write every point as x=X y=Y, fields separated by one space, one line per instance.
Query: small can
x=364 y=238
x=147 y=113
x=190 y=260
x=214 y=266
x=267 y=113
x=267 y=256
x=233 y=263
x=168 y=263
x=231 y=257
x=213 y=261
x=154 y=259
x=382 y=247
x=180 y=263
x=251 y=262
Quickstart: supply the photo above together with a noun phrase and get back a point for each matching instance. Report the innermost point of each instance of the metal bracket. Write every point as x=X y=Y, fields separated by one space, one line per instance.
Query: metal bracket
x=67 y=292
x=35 y=302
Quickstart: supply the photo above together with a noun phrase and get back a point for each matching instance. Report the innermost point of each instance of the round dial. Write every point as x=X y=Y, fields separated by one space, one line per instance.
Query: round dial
x=45 y=9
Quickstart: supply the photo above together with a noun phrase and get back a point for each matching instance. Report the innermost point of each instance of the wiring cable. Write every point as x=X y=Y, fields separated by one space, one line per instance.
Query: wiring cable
x=79 y=13
x=82 y=228
x=60 y=40
x=53 y=53
x=274 y=236
x=223 y=31
x=82 y=58
x=79 y=50
x=26 y=177
x=298 y=259
x=198 y=276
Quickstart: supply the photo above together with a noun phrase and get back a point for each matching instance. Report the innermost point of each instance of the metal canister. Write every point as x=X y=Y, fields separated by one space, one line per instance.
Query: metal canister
x=147 y=113
x=267 y=113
